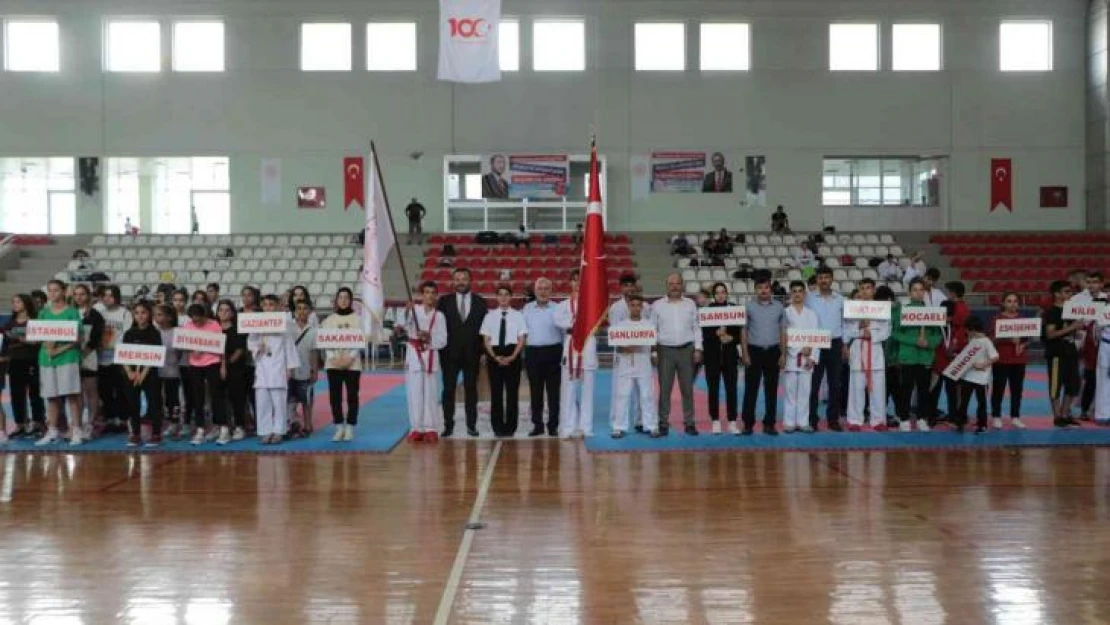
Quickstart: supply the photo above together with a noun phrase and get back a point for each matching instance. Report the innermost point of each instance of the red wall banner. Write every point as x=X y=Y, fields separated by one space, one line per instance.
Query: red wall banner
x=1001 y=184
x=354 y=182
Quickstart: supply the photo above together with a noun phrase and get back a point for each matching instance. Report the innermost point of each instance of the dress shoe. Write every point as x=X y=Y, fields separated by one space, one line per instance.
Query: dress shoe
x=535 y=432
x=770 y=430
x=836 y=427
x=471 y=432
x=691 y=430
x=447 y=432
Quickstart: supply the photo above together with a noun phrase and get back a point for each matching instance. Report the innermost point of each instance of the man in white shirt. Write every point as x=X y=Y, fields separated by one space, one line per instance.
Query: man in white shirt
x=679 y=349
x=933 y=295
x=504 y=335
x=889 y=269
x=576 y=417
x=542 y=358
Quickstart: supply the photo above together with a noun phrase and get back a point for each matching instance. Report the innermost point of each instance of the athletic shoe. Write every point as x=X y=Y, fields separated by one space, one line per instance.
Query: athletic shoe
x=979 y=429
x=76 y=439
x=416 y=437
x=770 y=430
x=616 y=434
x=691 y=430
x=1017 y=423
x=808 y=430
x=788 y=430
x=238 y=434
x=733 y=428
x=349 y=433
x=155 y=440
x=213 y=434
x=1061 y=423
x=852 y=427
x=50 y=437
x=198 y=437
x=134 y=440
x=225 y=436
x=656 y=433
x=748 y=430
x=472 y=433
x=997 y=423
x=923 y=426
x=835 y=427
x=906 y=426
x=716 y=427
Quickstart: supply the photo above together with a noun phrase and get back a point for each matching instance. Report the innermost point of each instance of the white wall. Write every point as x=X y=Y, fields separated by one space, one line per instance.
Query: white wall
x=788 y=108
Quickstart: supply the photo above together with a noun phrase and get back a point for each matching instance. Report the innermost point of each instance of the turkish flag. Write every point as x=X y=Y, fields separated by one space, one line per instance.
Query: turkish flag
x=354 y=183
x=593 y=294
x=1001 y=184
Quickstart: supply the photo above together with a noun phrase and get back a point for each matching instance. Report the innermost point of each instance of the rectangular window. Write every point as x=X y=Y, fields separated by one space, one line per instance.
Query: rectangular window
x=391 y=47
x=31 y=46
x=325 y=47
x=184 y=186
x=559 y=46
x=915 y=47
x=508 y=45
x=37 y=196
x=854 y=47
x=198 y=47
x=725 y=47
x=1025 y=46
x=134 y=47
x=660 y=47
x=121 y=195
x=894 y=181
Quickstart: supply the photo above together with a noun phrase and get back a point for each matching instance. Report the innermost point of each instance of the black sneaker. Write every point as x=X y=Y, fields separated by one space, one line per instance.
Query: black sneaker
x=447 y=432
x=836 y=427
x=471 y=432
x=640 y=429
x=691 y=430
x=770 y=430
x=1061 y=423
x=535 y=432
x=979 y=429
x=747 y=431
x=664 y=430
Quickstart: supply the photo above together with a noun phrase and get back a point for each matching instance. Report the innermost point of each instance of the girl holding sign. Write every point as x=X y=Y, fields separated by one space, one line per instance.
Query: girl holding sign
x=722 y=361
x=92 y=324
x=344 y=367
x=142 y=380
x=1010 y=368
x=59 y=368
x=204 y=373
x=236 y=378
x=917 y=347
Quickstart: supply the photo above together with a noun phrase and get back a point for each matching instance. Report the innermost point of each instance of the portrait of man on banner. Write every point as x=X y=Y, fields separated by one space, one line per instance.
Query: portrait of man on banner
x=719 y=178
x=495 y=186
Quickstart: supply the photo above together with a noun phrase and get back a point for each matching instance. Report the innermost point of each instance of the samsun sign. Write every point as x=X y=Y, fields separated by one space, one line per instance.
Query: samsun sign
x=814 y=339
x=877 y=311
x=717 y=316
x=632 y=335
x=48 y=331
x=340 y=339
x=262 y=323
x=140 y=355
x=199 y=341
x=934 y=316
x=1017 y=328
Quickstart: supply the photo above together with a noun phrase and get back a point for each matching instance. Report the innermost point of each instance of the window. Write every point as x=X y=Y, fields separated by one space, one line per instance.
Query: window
x=915 y=47
x=183 y=186
x=660 y=47
x=904 y=181
x=121 y=195
x=134 y=47
x=1025 y=46
x=391 y=47
x=854 y=47
x=725 y=47
x=326 y=47
x=31 y=46
x=559 y=46
x=508 y=45
x=198 y=47
x=37 y=196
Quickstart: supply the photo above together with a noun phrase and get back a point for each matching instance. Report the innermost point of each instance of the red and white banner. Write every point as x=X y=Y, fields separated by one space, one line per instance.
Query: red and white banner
x=140 y=355
x=199 y=341
x=632 y=335
x=963 y=362
x=340 y=339
x=929 y=316
x=312 y=197
x=1017 y=328
x=1085 y=311
x=262 y=323
x=1001 y=184
x=354 y=182
x=860 y=309
x=468 y=40
x=717 y=316
x=814 y=339
x=51 y=331
x=593 y=295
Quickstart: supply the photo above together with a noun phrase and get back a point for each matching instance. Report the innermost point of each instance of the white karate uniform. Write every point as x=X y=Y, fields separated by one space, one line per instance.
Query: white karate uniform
x=1102 y=376
x=634 y=376
x=864 y=368
x=576 y=394
x=275 y=357
x=422 y=370
x=618 y=314
x=796 y=378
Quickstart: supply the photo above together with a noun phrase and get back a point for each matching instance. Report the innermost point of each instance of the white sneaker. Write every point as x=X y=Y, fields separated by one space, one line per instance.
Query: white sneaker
x=349 y=433
x=340 y=432
x=716 y=427
x=733 y=428
x=905 y=426
x=76 y=439
x=923 y=426
x=50 y=437
x=996 y=423
x=238 y=435
x=213 y=434
x=1017 y=423
x=225 y=436
x=198 y=437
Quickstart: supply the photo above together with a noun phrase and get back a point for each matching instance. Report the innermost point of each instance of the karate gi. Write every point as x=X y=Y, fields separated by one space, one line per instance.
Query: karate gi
x=634 y=376
x=422 y=369
x=576 y=395
x=796 y=378
x=275 y=357
x=618 y=314
x=867 y=384
x=1102 y=377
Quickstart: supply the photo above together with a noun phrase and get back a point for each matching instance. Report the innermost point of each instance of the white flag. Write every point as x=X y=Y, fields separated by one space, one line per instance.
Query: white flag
x=468 y=50
x=375 y=251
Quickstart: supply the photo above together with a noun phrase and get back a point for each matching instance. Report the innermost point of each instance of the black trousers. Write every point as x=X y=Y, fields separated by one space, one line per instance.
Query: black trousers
x=171 y=389
x=109 y=385
x=233 y=389
x=338 y=380
x=830 y=365
x=187 y=386
x=205 y=383
x=24 y=377
x=1088 y=398
x=132 y=395
x=1014 y=376
x=965 y=391
x=951 y=394
x=915 y=378
x=765 y=367
x=468 y=365
x=545 y=370
x=723 y=364
x=893 y=387
x=504 y=387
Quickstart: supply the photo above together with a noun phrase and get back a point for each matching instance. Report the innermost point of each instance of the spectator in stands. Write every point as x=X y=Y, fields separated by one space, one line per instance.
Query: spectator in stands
x=448 y=250
x=709 y=245
x=722 y=361
x=723 y=236
x=505 y=334
x=889 y=269
x=212 y=293
x=680 y=245
x=22 y=368
x=933 y=295
x=415 y=213
x=464 y=313
x=522 y=237
x=829 y=306
x=543 y=358
x=806 y=260
x=780 y=223
x=916 y=269
x=38 y=296
x=720 y=179
x=763 y=352
x=777 y=290
x=679 y=349
x=505 y=275
x=578 y=236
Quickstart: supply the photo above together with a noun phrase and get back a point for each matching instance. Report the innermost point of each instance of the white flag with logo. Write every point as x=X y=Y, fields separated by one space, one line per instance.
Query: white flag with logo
x=468 y=50
x=375 y=251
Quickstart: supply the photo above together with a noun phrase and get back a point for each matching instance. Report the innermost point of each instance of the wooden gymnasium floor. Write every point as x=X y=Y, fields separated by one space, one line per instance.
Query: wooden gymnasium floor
x=1007 y=537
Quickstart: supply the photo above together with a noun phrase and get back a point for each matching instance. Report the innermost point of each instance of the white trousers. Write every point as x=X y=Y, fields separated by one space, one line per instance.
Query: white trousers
x=796 y=385
x=425 y=411
x=858 y=397
x=576 y=404
x=272 y=409
x=628 y=389
x=633 y=407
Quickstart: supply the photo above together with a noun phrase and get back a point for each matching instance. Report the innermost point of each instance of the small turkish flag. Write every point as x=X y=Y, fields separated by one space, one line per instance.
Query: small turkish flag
x=354 y=183
x=1001 y=184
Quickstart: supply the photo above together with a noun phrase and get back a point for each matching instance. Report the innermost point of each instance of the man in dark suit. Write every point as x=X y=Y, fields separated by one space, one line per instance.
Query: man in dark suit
x=464 y=312
x=720 y=179
x=494 y=185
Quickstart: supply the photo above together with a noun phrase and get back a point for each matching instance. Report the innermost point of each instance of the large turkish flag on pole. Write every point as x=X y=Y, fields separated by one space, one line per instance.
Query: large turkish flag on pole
x=354 y=185
x=1001 y=184
x=593 y=295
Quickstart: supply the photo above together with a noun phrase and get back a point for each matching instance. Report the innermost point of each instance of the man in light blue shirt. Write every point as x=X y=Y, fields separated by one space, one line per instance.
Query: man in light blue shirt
x=543 y=358
x=829 y=306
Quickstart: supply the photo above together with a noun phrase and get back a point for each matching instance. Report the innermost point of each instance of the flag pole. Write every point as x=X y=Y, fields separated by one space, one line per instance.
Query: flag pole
x=392 y=226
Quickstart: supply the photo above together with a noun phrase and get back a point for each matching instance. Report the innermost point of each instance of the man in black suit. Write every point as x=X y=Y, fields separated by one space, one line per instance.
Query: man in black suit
x=464 y=312
x=720 y=179
x=494 y=185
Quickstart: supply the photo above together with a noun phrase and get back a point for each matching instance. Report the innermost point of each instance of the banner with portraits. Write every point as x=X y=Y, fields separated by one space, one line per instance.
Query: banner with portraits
x=518 y=176
x=700 y=171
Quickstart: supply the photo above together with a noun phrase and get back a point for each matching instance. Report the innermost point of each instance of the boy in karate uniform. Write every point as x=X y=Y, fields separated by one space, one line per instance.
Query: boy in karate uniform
x=797 y=376
x=427 y=332
x=864 y=340
x=1102 y=373
x=634 y=375
x=579 y=369
x=275 y=359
